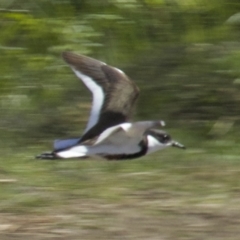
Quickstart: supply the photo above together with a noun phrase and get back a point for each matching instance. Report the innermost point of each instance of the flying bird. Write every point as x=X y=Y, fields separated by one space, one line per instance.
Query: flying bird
x=109 y=134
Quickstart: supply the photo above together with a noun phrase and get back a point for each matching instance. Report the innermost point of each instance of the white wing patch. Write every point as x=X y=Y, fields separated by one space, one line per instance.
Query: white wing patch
x=98 y=98
x=127 y=132
x=110 y=131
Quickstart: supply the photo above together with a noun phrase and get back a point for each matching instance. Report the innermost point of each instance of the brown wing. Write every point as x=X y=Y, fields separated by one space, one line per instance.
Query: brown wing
x=114 y=94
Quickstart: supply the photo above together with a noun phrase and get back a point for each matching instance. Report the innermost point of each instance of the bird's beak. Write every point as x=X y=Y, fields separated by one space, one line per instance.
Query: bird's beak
x=178 y=145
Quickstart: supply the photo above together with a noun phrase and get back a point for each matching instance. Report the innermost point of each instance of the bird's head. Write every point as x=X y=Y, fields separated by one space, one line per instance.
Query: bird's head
x=158 y=139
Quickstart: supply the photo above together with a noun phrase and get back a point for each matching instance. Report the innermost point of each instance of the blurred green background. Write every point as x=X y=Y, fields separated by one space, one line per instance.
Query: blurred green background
x=185 y=57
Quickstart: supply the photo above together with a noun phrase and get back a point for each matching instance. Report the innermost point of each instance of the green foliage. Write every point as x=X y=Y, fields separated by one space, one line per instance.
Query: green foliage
x=184 y=54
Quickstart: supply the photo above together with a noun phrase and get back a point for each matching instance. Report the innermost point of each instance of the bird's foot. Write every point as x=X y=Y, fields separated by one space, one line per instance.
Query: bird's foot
x=47 y=155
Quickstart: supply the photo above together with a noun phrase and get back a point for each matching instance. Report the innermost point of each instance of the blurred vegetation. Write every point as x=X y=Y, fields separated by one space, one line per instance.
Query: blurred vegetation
x=185 y=55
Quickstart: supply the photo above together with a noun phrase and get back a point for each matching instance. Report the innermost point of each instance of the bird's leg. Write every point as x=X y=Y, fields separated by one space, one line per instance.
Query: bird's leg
x=47 y=155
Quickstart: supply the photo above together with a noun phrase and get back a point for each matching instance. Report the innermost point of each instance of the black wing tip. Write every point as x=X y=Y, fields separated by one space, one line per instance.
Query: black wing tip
x=74 y=58
x=67 y=55
x=67 y=52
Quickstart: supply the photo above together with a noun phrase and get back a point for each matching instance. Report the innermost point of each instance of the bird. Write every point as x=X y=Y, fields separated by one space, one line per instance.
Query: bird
x=109 y=133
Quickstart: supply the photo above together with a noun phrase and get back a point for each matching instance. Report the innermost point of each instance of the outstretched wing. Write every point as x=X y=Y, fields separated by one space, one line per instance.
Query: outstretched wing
x=113 y=93
x=133 y=131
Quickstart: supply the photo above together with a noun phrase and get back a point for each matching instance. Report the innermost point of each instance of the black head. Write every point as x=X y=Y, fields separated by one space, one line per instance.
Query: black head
x=164 y=138
x=160 y=135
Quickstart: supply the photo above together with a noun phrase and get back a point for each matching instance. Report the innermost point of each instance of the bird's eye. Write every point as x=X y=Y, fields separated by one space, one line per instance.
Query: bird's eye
x=166 y=138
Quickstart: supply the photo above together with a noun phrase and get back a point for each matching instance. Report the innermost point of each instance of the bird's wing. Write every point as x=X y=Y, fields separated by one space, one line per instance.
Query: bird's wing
x=113 y=93
x=127 y=133
x=124 y=138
